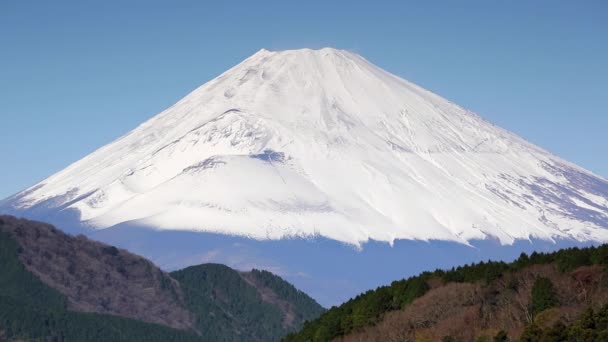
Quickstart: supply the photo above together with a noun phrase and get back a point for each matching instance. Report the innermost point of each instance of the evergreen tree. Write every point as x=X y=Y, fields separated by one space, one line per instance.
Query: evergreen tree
x=543 y=295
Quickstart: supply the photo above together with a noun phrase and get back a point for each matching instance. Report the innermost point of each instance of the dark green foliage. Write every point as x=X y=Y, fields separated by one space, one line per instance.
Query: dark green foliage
x=599 y=256
x=584 y=328
x=226 y=305
x=569 y=259
x=405 y=291
x=363 y=310
x=21 y=322
x=575 y=258
x=486 y=271
x=543 y=295
x=522 y=261
x=368 y=308
x=590 y=326
x=31 y=310
x=16 y=282
x=214 y=291
x=231 y=309
x=305 y=308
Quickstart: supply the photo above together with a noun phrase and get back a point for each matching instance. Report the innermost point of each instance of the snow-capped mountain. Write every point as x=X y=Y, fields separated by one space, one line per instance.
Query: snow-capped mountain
x=323 y=143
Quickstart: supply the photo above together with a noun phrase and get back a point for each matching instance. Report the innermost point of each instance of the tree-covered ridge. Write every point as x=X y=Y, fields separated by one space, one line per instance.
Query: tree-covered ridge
x=229 y=308
x=370 y=307
x=304 y=308
x=49 y=279
x=30 y=310
x=365 y=309
x=98 y=278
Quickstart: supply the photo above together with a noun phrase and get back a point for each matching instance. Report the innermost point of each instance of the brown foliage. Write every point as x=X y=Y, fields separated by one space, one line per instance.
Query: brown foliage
x=467 y=311
x=99 y=278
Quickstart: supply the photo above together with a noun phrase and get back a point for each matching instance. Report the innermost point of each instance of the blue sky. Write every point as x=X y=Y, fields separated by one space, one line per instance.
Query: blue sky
x=76 y=75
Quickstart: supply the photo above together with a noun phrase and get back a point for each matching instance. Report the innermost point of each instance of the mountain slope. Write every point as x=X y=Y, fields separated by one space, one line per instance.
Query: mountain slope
x=79 y=285
x=233 y=306
x=322 y=142
x=474 y=302
x=31 y=310
x=98 y=278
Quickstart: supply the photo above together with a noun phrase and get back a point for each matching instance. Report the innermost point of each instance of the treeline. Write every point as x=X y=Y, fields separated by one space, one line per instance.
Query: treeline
x=365 y=309
x=30 y=310
x=369 y=307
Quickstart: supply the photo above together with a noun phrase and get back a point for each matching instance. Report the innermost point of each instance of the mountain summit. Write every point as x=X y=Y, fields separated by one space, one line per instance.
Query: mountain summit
x=324 y=143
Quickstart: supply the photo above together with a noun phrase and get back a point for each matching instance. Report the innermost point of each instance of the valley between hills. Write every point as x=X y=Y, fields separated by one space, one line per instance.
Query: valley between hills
x=58 y=287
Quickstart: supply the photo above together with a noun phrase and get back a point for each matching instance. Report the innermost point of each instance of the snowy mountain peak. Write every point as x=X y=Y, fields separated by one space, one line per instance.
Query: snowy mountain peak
x=322 y=142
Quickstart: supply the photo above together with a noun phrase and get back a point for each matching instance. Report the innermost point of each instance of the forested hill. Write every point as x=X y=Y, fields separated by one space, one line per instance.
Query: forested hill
x=248 y=306
x=558 y=296
x=57 y=287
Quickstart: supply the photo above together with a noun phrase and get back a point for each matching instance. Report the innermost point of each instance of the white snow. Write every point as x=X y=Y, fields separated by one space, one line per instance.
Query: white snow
x=366 y=155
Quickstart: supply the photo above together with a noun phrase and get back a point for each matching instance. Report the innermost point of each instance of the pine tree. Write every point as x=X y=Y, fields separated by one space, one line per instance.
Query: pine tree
x=543 y=295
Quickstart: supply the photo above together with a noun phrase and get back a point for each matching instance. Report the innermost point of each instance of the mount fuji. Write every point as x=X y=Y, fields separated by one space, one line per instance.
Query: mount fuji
x=319 y=148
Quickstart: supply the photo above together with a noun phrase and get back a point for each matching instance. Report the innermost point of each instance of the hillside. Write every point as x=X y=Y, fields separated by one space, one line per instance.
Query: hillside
x=57 y=286
x=32 y=310
x=534 y=296
x=248 y=306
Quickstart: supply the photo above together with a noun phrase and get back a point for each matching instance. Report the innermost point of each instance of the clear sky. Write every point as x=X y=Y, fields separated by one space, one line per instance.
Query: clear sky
x=76 y=75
